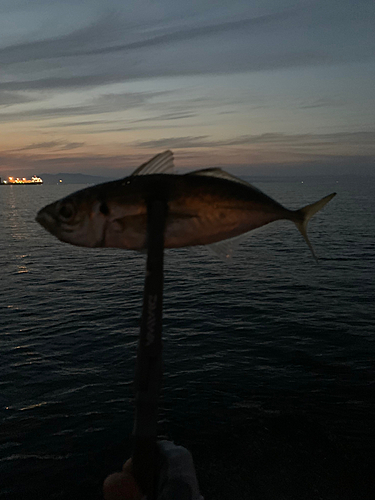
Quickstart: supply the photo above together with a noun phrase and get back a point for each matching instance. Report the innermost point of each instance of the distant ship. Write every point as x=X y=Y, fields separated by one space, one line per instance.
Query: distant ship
x=12 y=180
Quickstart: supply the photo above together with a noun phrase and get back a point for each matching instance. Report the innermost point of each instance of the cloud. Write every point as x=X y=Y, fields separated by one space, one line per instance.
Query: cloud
x=106 y=103
x=54 y=83
x=123 y=101
x=89 y=40
x=44 y=113
x=322 y=103
x=61 y=70
x=98 y=32
x=84 y=123
x=118 y=166
x=175 y=143
x=192 y=33
x=189 y=62
x=8 y=98
x=71 y=145
x=60 y=145
x=117 y=48
x=167 y=116
x=40 y=145
x=364 y=138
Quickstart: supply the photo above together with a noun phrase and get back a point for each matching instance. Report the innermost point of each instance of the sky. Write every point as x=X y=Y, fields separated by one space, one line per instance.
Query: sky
x=261 y=87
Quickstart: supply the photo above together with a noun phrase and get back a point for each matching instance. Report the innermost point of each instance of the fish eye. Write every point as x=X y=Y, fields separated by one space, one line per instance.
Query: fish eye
x=104 y=208
x=66 y=211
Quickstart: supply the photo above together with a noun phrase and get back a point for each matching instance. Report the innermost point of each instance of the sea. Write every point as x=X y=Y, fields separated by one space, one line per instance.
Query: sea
x=269 y=359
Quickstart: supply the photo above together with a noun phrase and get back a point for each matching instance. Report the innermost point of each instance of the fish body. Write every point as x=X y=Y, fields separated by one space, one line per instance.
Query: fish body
x=203 y=207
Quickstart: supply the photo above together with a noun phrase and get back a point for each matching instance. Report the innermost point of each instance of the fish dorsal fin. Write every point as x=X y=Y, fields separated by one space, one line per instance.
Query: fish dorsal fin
x=220 y=174
x=159 y=164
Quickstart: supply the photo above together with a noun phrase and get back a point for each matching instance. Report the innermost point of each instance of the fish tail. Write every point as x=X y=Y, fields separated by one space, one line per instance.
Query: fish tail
x=303 y=215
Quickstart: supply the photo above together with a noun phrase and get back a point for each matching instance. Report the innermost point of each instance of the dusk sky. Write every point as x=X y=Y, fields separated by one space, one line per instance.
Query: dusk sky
x=256 y=87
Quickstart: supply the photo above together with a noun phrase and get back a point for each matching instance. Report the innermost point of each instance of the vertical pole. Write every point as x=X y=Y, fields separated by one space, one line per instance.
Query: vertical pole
x=148 y=371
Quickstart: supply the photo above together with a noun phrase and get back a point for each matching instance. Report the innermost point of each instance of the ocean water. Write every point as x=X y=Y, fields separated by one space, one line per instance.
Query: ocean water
x=269 y=360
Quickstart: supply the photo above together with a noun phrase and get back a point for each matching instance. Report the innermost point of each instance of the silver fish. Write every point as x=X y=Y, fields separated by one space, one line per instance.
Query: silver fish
x=204 y=207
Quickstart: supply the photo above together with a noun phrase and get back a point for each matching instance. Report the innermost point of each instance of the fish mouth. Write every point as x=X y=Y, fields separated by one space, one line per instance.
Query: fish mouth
x=46 y=220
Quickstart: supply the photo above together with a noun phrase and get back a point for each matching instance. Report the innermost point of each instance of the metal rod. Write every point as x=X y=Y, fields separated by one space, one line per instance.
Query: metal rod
x=148 y=372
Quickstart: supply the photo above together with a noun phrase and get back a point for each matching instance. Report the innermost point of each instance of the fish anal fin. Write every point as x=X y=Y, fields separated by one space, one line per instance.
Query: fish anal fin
x=159 y=164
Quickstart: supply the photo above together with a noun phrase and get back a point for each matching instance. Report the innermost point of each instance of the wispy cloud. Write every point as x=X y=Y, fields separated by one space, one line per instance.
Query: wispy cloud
x=118 y=166
x=167 y=116
x=48 y=145
x=322 y=102
x=175 y=143
x=89 y=40
x=192 y=33
x=71 y=145
x=98 y=32
x=8 y=98
x=365 y=139
x=105 y=103
x=113 y=48
x=201 y=151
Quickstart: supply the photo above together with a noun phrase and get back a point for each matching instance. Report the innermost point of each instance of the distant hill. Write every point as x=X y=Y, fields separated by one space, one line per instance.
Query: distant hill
x=69 y=178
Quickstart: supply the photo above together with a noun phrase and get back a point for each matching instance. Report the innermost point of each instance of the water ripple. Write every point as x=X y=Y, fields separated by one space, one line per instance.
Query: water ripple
x=236 y=336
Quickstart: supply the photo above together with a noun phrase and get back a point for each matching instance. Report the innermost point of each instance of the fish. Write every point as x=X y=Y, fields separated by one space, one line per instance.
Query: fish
x=204 y=207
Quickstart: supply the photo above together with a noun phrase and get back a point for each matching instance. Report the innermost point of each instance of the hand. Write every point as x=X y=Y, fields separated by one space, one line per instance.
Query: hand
x=122 y=485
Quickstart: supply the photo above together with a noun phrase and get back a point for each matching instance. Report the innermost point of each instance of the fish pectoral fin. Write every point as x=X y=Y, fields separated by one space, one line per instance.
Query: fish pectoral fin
x=159 y=164
x=138 y=222
x=303 y=215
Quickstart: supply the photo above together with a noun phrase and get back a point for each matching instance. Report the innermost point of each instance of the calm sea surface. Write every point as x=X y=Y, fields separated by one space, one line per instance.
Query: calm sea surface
x=268 y=361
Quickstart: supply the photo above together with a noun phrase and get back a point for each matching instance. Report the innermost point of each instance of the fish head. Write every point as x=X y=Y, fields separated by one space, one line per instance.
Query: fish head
x=78 y=219
x=106 y=215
